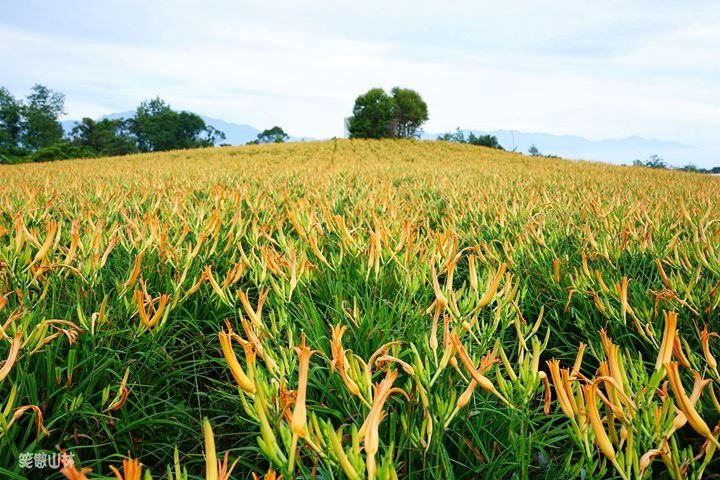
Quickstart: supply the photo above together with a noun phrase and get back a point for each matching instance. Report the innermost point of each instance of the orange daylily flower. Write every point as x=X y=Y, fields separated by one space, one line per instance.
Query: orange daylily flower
x=686 y=406
x=235 y=369
x=12 y=356
x=668 y=340
x=339 y=360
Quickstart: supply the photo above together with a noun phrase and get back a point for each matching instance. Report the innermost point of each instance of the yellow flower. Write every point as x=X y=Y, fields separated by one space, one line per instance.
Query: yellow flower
x=705 y=340
x=134 y=273
x=145 y=317
x=686 y=405
x=237 y=372
x=668 y=340
x=12 y=356
x=131 y=470
x=563 y=395
x=578 y=361
x=493 y=287
x=370 y=428
x=298 y=422
x=45 y=248
x=476 y=374
x=269 y=475
x=211 y=463
x=72 y=473
x=339 y=360
x=601 y=437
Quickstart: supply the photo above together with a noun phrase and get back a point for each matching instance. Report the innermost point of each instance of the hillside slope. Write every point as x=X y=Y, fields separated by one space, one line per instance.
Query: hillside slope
x=345 y=307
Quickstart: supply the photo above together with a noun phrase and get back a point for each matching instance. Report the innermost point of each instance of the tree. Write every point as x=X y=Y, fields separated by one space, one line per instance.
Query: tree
x=157 y=127
x=10 y=123
x=379 y=115
x=62 y=150
x=410 y=112
x=372 y=116
x=271 y=135
x=654 y=161
x=534 y=151
x=489 y=141
x=458 y=136
x=691 y=167
x=455 y=137
x=40 y=126
x=105 y=138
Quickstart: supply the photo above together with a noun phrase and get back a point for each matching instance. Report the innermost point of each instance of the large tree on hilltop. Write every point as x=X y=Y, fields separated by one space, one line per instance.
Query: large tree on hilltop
x=379 y=115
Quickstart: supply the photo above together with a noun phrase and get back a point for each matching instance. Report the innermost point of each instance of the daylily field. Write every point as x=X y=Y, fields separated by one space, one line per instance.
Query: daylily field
x=358 y=309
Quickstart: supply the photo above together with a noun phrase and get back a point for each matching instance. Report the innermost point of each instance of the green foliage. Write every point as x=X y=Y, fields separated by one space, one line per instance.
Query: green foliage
x=157 y=127
x=62 y=150
x=40 y=125
x=411 y=112
x=379 y=115
x=10 y=123
x=372 y=115
x=204 y=226
x=534 y=151
x=458 y=136
x=271 y=135
x=654 y=161
x=105 y=138
x=29 y=125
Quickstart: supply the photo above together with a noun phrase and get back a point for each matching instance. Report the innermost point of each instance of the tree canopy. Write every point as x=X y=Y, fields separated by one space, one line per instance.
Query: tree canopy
x=41 y=113
x=105 y=137
x=30 y=129
x=10 y=123
x=458 y=136
x=157 y=127
x=411 y=112
x=271 y=135
x=30 y=124
x=372 y=116
x=379 y=115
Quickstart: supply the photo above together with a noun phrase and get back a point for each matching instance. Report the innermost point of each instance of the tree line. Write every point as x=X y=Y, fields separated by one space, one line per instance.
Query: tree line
x=30 y=129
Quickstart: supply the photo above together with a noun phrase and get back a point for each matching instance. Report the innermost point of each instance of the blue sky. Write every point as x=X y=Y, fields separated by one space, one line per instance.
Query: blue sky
x=596 y=69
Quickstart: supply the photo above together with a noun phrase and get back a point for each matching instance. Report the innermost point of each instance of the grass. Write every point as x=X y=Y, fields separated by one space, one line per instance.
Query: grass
x=352 y=234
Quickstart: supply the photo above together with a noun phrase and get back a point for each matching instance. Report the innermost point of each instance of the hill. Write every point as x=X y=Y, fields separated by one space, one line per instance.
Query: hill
x=335 y=308
x=617 y=151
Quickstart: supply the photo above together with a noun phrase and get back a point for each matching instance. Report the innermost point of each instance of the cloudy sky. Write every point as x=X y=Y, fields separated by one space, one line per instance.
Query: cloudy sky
x=596 y=69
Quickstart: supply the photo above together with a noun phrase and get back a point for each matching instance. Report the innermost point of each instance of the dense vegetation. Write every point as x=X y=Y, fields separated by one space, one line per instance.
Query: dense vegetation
x=376 y=114
x=458 y=136
x=360 y=308
x=30 y=130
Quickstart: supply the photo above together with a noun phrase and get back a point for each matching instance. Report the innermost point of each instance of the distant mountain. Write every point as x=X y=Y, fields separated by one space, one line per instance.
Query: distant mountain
x=623 y=150
x=236 y=134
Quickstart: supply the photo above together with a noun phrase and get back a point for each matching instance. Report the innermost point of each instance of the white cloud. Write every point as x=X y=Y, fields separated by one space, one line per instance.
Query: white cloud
x=599 y=70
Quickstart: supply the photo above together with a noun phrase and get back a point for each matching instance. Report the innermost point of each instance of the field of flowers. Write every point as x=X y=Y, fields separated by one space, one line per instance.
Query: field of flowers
x=358 y=309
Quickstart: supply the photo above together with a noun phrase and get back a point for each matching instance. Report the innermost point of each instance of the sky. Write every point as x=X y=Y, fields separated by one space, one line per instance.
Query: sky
x=608 y=69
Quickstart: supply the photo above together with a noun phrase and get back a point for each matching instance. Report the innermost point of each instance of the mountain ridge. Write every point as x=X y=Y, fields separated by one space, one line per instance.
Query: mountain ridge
x=613 y=150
